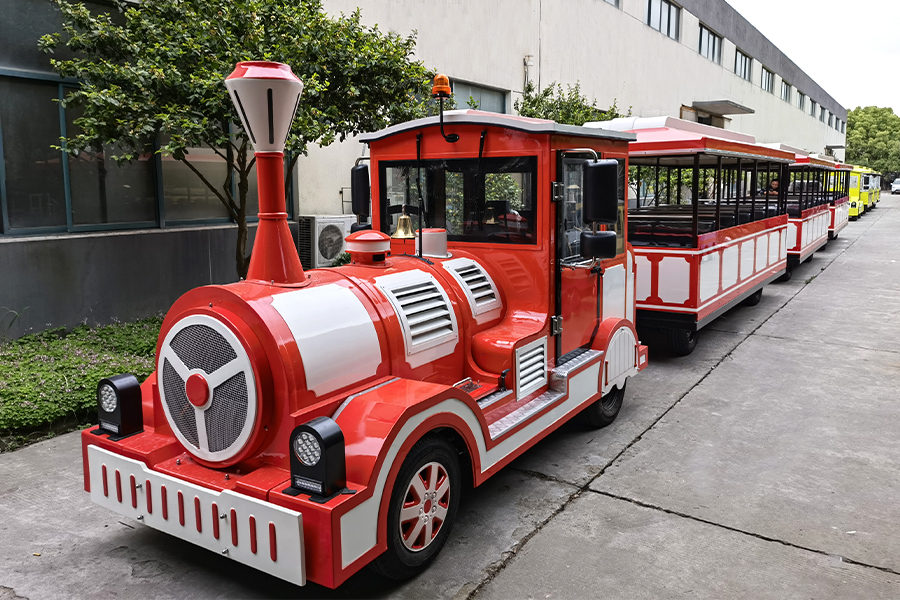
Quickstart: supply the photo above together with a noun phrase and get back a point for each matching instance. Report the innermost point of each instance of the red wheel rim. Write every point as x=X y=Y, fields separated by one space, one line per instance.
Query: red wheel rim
x=425 y=506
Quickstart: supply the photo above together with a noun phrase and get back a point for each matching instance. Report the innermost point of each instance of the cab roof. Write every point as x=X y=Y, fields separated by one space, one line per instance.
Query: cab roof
x=479 y=117
x=668 y=136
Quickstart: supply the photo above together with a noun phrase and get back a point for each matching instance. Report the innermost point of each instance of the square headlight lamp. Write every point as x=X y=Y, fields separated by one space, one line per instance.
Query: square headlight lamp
x=318 y=465
x=119 y=406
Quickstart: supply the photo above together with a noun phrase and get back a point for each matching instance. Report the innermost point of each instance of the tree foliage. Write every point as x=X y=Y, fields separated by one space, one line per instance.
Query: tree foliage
x=873 y=139
x=568 y=106
x=154 y=72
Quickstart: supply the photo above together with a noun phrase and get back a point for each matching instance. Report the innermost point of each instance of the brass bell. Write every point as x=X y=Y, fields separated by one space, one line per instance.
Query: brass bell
x=404 y=228
x=490 y=216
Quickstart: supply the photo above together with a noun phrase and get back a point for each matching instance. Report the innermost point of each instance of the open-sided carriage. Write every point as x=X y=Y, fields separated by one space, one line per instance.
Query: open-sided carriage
x=707 y=220
x=808 y=201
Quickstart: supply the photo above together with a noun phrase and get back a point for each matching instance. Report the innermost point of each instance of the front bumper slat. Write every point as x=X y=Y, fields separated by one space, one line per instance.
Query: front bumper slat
x=262 y=535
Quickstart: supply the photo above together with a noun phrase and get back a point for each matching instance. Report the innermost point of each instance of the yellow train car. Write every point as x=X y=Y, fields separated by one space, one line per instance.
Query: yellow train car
x=858 y=198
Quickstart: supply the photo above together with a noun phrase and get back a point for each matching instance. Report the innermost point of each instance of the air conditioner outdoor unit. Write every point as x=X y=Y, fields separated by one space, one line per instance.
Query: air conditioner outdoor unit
x=320 y=239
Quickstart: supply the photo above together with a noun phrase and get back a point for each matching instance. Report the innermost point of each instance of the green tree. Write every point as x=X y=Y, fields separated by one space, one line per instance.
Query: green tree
x=154 y=72
x=568 y=106
x=873 y=139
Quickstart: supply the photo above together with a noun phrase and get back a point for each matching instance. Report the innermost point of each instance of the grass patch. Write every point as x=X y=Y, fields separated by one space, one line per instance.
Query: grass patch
x=48 y=380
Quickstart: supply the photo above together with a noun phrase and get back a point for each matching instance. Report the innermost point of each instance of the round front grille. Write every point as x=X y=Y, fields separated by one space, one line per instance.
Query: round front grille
x=221 y=428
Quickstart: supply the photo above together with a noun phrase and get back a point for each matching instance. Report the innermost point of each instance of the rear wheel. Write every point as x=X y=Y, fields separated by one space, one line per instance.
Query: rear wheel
x=788 y=273
x=753 y=299
x=423 y=506
x=605 y=410
x=682 y=341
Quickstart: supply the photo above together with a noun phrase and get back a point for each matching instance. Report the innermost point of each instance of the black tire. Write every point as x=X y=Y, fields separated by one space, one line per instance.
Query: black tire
x=605 y=410
x=399 y=562
x=788 y=273
x=682 y=341
x=809 y=259
x=753 y=299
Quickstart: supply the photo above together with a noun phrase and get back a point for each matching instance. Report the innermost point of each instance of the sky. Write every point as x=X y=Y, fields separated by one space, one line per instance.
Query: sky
x=849 y=47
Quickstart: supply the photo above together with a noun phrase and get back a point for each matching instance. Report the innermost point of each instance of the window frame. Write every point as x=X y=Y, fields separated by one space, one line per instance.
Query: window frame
x=821 y=113
x=672 y=9
x=801 y=101
x=534 y=161
x=813 y=105
x=713 y=41
x=63 y=86
x=786 y=91
x=767 y=76
x=746 y=62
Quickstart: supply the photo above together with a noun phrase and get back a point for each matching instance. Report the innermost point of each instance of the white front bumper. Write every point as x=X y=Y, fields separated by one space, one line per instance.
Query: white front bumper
x=256 y=533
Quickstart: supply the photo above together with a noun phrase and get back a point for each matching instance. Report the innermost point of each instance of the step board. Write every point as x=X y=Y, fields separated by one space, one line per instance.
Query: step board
x=559 y=383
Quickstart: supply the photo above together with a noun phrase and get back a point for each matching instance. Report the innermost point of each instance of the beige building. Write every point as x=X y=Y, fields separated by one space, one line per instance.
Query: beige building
x=698 y=60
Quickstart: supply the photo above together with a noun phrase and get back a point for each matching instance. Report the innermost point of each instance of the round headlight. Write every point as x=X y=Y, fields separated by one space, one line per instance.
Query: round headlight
x=307 y=449
x=108 y=398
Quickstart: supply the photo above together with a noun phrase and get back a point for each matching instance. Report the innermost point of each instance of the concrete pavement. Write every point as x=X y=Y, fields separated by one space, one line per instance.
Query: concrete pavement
x=763 y=465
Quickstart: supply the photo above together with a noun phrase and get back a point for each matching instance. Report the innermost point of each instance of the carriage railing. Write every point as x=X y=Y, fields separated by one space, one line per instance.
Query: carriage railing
x=664 y=209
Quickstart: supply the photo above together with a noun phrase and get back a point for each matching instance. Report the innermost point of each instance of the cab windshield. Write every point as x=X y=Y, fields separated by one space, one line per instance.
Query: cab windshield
x=476 y=200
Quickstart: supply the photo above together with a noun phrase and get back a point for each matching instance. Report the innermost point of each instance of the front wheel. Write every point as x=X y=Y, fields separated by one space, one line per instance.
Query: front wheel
x=682 y=341
x=423 y=506
x=605 y=410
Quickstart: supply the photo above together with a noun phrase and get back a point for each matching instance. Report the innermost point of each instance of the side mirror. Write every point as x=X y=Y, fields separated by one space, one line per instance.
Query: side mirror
x=598 y=245
x=600 y=180
x=359 y=191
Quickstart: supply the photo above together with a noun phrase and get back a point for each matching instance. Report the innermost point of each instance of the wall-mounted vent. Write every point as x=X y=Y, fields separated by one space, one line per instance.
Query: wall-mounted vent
x=476 y=283
x=531 y=367
x=423 y=308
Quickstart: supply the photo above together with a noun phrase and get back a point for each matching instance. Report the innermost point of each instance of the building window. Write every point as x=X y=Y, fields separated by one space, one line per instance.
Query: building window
x=786 y=89
x=801 y=100
x=664 y=17
x=613 y=2
x=710 y=45
x=830 y=120
x=743 y=65
x=844 y=127
x=812 y=108
x=473 y=96
x=822 y=114
x=768 y=80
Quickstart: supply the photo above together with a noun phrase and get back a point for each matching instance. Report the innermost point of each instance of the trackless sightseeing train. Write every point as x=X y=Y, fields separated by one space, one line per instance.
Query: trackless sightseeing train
x=310 y=423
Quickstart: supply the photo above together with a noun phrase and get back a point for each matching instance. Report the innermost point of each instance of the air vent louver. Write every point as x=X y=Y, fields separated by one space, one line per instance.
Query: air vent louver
x=531 y=367
x=424 y=311
x=476 y=283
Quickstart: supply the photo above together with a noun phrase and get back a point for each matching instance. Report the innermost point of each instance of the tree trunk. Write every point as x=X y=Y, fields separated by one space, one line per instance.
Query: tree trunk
x=243 y=259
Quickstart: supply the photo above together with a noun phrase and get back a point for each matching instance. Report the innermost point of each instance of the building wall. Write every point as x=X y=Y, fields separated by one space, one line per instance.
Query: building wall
x=610 y=50
x=64 y=280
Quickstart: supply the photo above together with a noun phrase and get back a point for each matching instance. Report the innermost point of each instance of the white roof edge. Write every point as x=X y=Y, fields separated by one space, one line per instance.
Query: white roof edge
x=787 y=148
x=529 y=125
x=639 y=123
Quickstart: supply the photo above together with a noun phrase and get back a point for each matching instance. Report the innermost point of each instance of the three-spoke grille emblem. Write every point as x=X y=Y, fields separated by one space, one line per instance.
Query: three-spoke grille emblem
x=207 y=387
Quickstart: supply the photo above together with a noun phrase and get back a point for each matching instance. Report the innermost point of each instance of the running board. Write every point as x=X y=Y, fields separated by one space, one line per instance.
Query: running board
x=559 y=384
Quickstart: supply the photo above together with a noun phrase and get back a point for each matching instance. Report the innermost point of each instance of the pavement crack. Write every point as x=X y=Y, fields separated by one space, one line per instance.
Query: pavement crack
x=7 y=593
x=494 y=569
x=752 y=534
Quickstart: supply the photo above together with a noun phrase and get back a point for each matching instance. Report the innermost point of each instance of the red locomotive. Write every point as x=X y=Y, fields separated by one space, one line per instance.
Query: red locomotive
x=310 y=423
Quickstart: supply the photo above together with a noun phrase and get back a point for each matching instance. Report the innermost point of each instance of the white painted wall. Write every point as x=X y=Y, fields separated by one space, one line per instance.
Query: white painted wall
x=609 y=50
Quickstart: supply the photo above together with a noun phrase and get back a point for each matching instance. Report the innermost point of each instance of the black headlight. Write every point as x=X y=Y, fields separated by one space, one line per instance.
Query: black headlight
x=318 y=464
x=119 y=406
